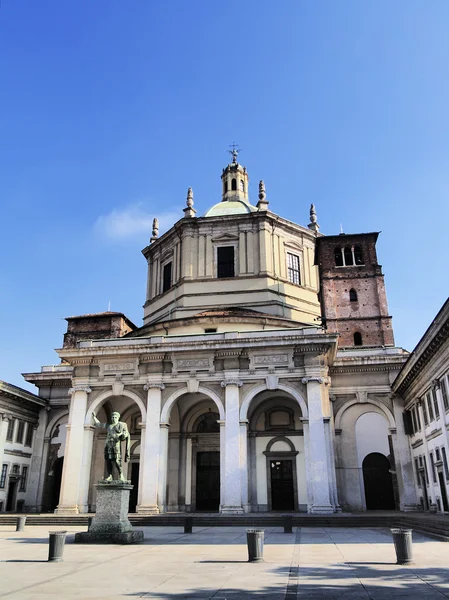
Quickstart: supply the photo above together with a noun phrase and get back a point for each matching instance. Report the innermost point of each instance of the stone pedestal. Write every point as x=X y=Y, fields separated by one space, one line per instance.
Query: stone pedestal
x=111 y=524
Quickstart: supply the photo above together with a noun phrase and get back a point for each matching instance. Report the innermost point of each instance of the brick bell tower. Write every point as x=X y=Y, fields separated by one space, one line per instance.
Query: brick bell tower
x=353 y=297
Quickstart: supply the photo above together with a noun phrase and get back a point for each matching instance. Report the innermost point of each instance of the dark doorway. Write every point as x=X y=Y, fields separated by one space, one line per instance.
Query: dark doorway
x=282 y=497
x=443 y=491
x=378 y=483
x=424 y=489
x=12 y=493
x=57 y=478
x=208 y=481
x=135 y=482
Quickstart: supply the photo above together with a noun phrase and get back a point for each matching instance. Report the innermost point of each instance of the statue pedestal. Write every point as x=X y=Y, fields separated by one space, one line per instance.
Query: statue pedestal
x=111 y=524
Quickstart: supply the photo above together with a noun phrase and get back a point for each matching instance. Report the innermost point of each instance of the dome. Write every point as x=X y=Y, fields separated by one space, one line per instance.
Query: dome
x=230 y=207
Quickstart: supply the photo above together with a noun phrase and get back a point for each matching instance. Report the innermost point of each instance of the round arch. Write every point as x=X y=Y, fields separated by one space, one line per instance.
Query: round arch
x=166 y=409
x=382 y=407
x=108 y=394
x=262 y=388
x=53 y=421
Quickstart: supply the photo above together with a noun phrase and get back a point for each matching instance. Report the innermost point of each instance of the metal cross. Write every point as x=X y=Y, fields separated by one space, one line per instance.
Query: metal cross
x=235 y=151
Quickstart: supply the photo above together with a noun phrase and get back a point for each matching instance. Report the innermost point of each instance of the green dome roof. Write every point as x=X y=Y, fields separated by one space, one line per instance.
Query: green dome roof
x=230 y=207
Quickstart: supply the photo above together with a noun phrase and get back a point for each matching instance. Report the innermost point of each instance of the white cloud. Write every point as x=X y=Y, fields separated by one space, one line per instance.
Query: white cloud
x=133 y=222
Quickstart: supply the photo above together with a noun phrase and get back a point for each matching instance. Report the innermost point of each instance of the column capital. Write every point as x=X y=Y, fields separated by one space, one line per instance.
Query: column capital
x=320 y=380
x=436 y=384
x=5 y=417
x=235 y=382
x=79 y=388
x=154 y=385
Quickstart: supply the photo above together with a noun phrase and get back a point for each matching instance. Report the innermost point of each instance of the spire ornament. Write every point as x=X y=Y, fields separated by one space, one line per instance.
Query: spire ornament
x=155 y=230
x=263 y=202
x=189 y=211
x=313 y=225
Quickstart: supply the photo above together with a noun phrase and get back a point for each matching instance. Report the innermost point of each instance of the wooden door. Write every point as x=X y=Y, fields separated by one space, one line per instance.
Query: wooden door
x=282 y=496
x=208 y=481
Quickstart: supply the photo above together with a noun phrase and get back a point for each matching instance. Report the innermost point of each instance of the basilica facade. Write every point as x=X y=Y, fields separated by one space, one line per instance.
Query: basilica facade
x=260 y=379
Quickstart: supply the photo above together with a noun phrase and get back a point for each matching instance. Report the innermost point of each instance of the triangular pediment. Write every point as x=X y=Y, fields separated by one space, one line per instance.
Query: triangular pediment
x=293 y=245
x=225 y=237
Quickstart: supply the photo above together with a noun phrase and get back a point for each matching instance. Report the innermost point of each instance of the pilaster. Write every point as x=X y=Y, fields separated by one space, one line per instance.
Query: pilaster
x=33 y=501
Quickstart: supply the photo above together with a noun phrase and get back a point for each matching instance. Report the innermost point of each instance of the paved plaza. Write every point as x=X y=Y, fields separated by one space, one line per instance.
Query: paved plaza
x=312 y=563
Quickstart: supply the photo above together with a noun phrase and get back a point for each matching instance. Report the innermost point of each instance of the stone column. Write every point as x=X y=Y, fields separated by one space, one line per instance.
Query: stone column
x=403 y=460
x=436 y=384
x=86 y=468
x=331 y=463
x=73 y=455
x=163 y=466
x=151 y=445
x=33 y=501
x=188 y=490
x=428 y=470
x=231 y=462
x=244 y=464
x=316 y=461
x=4 y=420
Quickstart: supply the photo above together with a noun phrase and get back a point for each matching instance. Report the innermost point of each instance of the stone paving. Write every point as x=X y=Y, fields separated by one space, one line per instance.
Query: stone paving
x=311 y=563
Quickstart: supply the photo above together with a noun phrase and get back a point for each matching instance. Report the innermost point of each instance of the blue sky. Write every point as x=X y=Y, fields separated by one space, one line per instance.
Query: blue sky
x=110 y=110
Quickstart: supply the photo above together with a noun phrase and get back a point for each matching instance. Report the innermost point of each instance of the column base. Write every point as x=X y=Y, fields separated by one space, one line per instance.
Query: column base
x=67 y=510
x=232 y=510
x=321 y=509
x=147 y=509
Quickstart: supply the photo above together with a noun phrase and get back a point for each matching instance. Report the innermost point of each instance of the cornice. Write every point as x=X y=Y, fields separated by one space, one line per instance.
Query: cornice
x=411 y=371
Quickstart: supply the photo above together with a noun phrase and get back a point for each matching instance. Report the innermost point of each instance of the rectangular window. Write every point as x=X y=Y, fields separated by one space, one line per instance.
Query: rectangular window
x=418 y=420
x=10 y=431
x=166 y=277
x=20 y=430
x=29 y=435
x=424 y=411
x=294 y=274
x=415 y=428
x=425 y=469
x=432 y=467
x=446 y=467
x=3 y=476
x=444 y=393
x=418 y=481
x=23 y=481
x=429 y=406
x=435 y=404
x=225 y=262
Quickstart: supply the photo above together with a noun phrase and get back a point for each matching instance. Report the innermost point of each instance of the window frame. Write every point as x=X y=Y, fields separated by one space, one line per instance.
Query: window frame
x=216 y=252
x=10 y=430
x=296 y=256
x=163 y=267
x=3 y=475
x=23 y=480
x=20 y=431
x=29 y=435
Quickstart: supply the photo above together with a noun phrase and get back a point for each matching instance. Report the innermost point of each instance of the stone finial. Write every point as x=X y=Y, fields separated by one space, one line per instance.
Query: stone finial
x=263 y=202
x=189 y=211
x=313 y=225
x=155 y=230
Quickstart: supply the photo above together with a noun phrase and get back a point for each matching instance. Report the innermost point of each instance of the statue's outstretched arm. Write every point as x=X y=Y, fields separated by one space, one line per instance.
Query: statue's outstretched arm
x=97 y=423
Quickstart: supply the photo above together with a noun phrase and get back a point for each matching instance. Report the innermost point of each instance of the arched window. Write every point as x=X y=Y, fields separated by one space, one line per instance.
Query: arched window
x=225 y=187
x=348 y=256
x=358 y=256
x=353 y=295
x=234 y=185
x=208 y=423
x=242 y=185
x=358 y=339
x=338 y=257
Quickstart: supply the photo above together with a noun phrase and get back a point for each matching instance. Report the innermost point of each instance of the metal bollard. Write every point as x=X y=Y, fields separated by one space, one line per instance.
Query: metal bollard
x=288 y=524
x=402 y=539
x=188 y=524
x=254 y=540
x=20 y=525
x=56 y=545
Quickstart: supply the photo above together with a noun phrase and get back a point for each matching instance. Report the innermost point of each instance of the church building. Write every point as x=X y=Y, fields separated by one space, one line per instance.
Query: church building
x=260 y=379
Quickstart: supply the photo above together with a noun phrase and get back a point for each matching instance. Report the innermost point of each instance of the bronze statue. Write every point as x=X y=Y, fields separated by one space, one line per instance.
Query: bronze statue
x=117 y=432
